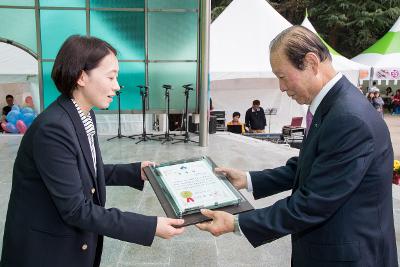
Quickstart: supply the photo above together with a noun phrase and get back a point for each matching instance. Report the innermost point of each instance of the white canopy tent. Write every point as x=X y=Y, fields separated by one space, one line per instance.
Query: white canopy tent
x=18 y=75
x=346 y=66
x=384 y=55
x=239 y=62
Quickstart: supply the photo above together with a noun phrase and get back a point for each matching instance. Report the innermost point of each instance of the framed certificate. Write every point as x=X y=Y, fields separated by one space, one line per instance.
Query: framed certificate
x=184 y=187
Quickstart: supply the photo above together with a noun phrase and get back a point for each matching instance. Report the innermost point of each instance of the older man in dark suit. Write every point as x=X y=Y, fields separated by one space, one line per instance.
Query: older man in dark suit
x=340 y=211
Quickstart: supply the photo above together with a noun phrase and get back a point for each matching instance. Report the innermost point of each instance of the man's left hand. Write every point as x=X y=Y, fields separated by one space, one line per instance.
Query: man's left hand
x=222 y=222
x=145 y=164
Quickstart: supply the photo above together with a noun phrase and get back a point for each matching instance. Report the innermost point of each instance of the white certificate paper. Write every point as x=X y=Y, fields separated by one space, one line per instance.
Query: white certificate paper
x=194 y=185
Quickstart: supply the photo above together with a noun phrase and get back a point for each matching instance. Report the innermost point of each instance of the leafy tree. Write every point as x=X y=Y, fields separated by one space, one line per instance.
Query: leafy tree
x=352 y=26
x=292 y=10
x=349 y=26
x=217 y=6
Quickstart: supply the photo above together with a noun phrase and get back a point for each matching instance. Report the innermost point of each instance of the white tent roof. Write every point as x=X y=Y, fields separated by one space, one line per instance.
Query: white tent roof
x=385 y=53
x=379 y=60
x=240 y=37
x=239 y=62
x=15 y=61
x=340 y=63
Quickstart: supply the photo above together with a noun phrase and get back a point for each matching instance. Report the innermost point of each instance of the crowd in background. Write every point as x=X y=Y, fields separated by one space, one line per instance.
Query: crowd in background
x=389 y=99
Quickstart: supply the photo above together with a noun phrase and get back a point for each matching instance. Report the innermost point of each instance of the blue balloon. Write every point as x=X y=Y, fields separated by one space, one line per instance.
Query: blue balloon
x=28 y=118
x=20 y=116
x=27 y=110
x=16 y=107
x=13 y=116
x=11 y=128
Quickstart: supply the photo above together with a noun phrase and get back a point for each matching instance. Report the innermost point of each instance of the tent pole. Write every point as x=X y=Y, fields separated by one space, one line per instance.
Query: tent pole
x=371 y=78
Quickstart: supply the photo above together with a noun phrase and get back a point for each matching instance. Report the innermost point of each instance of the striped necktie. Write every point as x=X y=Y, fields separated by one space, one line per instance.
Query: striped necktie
x=309 y=118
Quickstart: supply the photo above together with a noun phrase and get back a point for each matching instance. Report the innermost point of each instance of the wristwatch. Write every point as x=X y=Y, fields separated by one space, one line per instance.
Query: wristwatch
x=236 y=227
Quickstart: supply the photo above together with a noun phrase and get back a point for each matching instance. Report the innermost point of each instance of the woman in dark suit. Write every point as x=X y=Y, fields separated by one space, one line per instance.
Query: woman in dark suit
x=56 y=214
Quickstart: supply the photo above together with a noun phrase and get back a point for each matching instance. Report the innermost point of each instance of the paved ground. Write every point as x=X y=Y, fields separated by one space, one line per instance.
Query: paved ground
x=393 y=123
x=194 y=248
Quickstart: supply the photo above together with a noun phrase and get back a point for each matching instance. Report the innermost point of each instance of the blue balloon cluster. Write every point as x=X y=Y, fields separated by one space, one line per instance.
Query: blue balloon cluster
x=25 y=114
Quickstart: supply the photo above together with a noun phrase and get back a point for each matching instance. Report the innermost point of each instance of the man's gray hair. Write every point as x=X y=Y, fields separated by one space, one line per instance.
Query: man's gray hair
x=296 y=42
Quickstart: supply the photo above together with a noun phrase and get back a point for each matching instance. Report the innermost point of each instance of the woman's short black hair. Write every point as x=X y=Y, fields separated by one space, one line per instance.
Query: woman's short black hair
x=77 y=54
x=236 y=114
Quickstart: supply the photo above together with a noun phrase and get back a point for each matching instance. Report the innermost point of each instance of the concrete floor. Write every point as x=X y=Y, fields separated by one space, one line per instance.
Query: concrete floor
x=393 y=123
x=193 y=248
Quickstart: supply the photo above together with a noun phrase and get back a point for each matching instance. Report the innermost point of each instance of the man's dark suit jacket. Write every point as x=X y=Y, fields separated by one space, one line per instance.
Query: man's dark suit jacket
x=255 y=120
x=340 y=212
x=56 y=214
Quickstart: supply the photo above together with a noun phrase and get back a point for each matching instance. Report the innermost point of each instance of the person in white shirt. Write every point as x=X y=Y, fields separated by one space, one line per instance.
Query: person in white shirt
x=374 y=88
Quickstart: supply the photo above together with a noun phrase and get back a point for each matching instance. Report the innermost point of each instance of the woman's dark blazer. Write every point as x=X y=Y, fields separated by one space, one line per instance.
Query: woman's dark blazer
x=56 y=214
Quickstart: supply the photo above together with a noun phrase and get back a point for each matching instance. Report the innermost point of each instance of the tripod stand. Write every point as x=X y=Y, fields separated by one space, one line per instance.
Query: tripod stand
x=119 y=135
x=186 y=138
x=270 y=111
x=167 y=136
x=143 y=137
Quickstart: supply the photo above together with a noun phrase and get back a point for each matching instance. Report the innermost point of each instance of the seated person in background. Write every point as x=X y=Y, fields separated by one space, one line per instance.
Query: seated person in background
x=236 y=120
x=387 y=98
x=377 y=102
x=370 y=97
x=396 y=101
x=255 y=118
x=389 y=91
x=6 y=109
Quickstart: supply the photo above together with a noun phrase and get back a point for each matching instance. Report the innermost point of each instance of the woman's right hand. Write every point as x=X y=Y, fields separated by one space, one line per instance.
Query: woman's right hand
x=167 y=228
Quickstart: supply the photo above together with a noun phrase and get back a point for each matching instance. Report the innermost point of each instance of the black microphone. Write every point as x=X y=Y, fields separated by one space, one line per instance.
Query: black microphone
x=188 y=86
x=118 y=92
x=167 y=86
x=146 y=91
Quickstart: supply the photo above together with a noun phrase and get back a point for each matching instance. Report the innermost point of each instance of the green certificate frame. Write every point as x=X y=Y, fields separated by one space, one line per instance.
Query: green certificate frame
x=184 y=187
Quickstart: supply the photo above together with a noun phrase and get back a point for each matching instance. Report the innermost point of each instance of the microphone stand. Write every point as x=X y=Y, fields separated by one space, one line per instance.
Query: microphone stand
x=143 y=137
x=167 y=136
x=119 y=135
x=186 y=138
